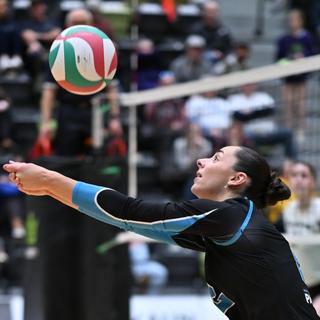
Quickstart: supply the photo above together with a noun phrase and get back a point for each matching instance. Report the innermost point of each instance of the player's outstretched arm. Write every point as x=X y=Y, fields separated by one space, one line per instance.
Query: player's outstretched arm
x=38 y=181
x=160 y=221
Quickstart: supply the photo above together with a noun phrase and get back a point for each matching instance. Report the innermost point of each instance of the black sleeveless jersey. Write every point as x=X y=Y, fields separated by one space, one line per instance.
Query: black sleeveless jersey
x=250 y=269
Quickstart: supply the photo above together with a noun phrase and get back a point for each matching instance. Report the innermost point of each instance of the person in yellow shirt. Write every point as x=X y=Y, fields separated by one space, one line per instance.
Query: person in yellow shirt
x=274 y=213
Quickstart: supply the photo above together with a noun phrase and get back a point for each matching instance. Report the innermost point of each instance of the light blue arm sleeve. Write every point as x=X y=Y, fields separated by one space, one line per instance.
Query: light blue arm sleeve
x=85 y=197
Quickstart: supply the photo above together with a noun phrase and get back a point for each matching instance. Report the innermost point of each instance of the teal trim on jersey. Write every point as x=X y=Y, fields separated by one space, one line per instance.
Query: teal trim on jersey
x=238 y=234
x=222 y=301
x=299 y=267
x=85 y=196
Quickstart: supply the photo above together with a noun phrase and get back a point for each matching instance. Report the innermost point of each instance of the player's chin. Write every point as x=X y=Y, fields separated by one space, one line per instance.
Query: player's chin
x=195 y=189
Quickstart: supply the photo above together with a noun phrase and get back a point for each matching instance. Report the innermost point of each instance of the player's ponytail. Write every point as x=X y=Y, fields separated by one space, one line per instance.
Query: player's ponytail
x=266 y=188
x=276 y=190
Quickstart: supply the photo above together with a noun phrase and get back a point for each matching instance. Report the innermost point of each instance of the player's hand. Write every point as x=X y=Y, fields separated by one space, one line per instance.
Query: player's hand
x=28 y=177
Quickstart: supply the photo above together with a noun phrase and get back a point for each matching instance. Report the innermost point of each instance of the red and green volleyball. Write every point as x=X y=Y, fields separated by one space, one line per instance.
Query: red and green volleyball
x=83 y=59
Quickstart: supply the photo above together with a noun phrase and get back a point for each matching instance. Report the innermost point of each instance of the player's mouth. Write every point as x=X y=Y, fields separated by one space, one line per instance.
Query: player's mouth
x=198 y=175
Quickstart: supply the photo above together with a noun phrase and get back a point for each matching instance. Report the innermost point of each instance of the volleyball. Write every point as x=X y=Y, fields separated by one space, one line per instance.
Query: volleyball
x=83 y=59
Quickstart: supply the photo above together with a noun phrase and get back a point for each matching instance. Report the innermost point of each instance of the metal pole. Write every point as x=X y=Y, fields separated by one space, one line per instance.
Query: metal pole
x=97 y=124
x=133 y=152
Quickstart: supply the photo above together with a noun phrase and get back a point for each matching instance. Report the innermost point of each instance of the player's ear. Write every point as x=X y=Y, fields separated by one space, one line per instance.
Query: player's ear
x=239 y=179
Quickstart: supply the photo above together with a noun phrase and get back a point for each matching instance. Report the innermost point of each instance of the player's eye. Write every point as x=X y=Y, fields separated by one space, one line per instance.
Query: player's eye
x=215 y=157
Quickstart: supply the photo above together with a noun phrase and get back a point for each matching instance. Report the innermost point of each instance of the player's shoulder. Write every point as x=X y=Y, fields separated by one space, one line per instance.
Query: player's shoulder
x=230 y=205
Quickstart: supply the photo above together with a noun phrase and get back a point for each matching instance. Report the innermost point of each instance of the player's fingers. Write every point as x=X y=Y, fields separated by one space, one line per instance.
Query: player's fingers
x=17 y=178
x=12 y=167
x=12 y=177
x=8 y=168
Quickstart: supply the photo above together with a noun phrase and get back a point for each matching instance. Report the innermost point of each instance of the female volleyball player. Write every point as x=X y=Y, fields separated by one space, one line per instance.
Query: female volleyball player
x=250 y=270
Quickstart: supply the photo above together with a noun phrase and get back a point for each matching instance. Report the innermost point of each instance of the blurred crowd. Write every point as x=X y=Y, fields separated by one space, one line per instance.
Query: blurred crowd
x=174 y=132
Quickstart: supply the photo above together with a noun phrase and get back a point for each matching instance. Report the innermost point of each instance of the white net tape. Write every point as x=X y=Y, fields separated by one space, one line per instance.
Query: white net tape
x=235 y=79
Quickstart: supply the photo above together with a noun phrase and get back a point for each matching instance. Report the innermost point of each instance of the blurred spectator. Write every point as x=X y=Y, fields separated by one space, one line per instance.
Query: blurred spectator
x=302 y=217
x=115 y=143
x=38 y=32
x=256 y=109
x=11 y=45
x=149 y=64
x=234 y=135
x=210 y=112
x=192 y=65
x=310 y=10
x=295 y=44
x=218 y=39
x=242 y=53
x=164 y=120
x=186 y=150
x=167 y=114
x=236 y=61
x=99 y=21
x=149 y=275
x=73 y=136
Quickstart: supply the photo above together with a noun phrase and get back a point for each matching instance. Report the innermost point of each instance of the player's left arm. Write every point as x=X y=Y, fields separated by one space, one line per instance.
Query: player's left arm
x=164 y=221
x=161 y=221
x=157 y=220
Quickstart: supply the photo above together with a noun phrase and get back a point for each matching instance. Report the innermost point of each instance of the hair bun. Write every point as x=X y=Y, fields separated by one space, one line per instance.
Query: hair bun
x=277 y=190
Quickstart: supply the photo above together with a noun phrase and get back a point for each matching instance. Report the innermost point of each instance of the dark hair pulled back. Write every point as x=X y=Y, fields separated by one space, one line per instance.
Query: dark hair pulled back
x=265 y=188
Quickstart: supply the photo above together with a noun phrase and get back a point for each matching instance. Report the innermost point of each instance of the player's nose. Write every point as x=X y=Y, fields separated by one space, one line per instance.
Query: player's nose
x=200 y=163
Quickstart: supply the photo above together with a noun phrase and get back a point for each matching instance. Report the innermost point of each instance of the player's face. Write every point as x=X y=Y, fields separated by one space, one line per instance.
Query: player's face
x=214 y=173
x=301 y=180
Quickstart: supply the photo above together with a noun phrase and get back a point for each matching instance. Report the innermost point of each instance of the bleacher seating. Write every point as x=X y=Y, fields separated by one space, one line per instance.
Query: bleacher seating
x=187 y=15
x=19 y=89
x=152 y=22
x=24 y=110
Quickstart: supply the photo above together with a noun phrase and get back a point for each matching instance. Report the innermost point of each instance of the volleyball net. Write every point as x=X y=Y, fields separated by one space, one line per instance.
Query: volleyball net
x=278 y=141
x=264 y=119
x=293 y=109
x=261 y=75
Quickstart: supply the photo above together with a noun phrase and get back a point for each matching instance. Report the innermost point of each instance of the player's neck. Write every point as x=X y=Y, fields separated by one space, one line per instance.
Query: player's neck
x=225 y=196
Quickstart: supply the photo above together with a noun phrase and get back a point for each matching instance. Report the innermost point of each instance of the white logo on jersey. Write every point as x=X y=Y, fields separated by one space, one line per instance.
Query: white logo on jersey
x=308 y=297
